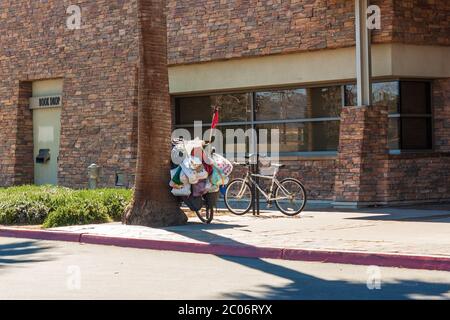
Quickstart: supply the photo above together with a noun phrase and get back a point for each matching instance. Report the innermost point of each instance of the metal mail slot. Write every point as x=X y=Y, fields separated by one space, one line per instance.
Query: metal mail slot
x=43 y=156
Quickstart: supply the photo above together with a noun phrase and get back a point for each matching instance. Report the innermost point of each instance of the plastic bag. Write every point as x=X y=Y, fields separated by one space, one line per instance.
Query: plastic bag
x=175 y=176
x=223 y=164
x=199 y=188
x=181 y=192
x=218 y=178
x=193 y=203
x=178 y=154
x=193 y=169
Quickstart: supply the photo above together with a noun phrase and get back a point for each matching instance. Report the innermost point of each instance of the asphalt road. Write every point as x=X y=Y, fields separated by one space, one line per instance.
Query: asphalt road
x=59 y=270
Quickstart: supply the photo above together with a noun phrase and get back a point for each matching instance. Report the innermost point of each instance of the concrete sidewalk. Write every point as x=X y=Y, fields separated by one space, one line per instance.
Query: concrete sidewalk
x=359 y=237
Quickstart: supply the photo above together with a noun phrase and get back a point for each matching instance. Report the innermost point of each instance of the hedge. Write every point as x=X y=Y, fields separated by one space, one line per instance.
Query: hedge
x=59 y=206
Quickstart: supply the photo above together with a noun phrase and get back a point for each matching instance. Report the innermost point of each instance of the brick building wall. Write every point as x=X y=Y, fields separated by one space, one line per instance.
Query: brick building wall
x=441 y=114
x=208 y=30
x=276 y=27
x=419 y=177
x=98 y=68
x=425 y=176
x=422 y=22
x=318 y=175
x=361 y=168
x=98 y=64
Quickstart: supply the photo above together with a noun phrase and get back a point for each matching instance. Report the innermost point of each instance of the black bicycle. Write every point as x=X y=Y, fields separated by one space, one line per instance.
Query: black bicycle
x=203 y=206
x=289 y=194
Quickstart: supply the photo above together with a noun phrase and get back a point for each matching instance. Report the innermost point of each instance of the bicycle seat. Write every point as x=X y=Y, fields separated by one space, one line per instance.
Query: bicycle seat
x=278 y=165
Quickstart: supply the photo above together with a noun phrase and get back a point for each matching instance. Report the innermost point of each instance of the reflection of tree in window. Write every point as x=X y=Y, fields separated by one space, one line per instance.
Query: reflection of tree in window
x=387 y=94
x=233 y=107
x=325 y=102
x=281 y=105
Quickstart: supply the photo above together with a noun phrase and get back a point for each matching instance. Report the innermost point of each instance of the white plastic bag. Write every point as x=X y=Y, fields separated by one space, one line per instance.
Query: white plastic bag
x=185 y=191
x=223 y=164
x=193 y=168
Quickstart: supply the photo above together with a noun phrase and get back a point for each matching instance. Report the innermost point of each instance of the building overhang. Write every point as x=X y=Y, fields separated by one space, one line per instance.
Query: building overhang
x=390 y=60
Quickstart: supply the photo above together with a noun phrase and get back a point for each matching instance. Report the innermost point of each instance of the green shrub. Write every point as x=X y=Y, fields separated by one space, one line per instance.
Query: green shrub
x=33 y=204
x=78 y=213
x=116 y=204
x=23 y=212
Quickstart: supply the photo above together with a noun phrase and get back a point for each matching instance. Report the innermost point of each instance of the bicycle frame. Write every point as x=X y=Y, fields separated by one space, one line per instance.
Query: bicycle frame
x=269 y=197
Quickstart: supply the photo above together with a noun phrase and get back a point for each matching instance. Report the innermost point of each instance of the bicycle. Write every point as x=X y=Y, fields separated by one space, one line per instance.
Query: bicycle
x=289 y=195
x=202 y=206
x=205 y=205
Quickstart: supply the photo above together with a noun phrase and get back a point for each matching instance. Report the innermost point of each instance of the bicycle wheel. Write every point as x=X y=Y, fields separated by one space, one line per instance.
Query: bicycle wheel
x=238 y=197
x=206 y=214
x=290 y=197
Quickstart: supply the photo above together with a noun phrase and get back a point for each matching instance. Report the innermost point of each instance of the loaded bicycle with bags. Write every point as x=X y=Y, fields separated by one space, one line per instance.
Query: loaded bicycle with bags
x=197 y=176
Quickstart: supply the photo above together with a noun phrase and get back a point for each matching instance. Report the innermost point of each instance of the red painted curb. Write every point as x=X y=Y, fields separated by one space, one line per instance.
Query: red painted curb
x=40 y=234
x=370 y=258
x=327 y=256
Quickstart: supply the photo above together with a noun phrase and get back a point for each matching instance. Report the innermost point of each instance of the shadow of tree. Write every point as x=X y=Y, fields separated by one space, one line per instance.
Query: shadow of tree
x=307 y=287
x=20 y=252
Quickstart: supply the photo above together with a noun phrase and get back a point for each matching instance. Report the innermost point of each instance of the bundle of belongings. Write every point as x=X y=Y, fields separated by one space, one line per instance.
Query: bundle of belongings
x=197 y=173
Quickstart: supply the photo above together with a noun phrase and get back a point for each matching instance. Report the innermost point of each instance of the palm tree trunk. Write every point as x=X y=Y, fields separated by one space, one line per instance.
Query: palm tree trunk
x=153 y=204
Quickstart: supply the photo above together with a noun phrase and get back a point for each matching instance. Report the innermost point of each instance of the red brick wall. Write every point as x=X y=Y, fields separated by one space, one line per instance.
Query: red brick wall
x=98 y=65
x=24 y=160
x=422 y=22
x=419 y=177
x=426 y=176
x=317 y=175
x=441 y=114
x=9 y=115
x=361 y=165
x=204 y=30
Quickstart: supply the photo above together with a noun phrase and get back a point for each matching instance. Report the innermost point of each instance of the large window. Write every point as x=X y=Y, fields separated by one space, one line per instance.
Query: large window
x=307 y=118
x=236 y=112
x=409 y=105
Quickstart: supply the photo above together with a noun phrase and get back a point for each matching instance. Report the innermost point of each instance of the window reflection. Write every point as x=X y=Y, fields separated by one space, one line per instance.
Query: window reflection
x=306 y=136
x=383 y=93
x=233 y=107
x=387 y=94
x=281 y=105
x=295 y=113
x=404 y=99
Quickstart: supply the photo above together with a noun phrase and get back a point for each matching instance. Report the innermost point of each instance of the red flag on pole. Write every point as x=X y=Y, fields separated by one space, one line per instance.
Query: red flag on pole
x=215 y=119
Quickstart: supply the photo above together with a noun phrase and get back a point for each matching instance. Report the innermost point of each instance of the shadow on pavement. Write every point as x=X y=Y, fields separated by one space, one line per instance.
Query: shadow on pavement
x=438 y=213
x=201 y=227
x=305 y=286
x=20 y=252
x=404 y=214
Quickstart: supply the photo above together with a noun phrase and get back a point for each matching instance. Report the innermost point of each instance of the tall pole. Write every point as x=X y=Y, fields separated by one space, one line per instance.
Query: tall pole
x=363 y=54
